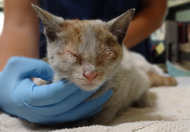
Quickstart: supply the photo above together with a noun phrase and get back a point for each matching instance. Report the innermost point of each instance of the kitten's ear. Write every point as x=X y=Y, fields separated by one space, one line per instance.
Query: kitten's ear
x=119 y=25
x=51 y=23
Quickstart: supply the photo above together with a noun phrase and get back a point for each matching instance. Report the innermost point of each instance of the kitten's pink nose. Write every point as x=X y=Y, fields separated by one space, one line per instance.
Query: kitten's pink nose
x=90 y=75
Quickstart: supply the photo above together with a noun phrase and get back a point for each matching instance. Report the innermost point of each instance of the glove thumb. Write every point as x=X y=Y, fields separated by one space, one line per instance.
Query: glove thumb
x=28 y=67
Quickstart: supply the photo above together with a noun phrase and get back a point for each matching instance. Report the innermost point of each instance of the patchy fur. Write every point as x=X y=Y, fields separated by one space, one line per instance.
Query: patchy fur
x=90 y=53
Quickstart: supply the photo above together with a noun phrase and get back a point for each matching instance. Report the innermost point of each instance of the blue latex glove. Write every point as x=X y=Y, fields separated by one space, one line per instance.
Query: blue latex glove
x=57 y=102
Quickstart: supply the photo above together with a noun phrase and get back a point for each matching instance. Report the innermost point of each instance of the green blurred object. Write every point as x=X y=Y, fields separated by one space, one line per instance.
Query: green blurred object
x=176 y=71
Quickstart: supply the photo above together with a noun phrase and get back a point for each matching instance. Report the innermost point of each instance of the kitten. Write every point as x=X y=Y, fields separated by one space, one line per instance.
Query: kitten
x=90 y=53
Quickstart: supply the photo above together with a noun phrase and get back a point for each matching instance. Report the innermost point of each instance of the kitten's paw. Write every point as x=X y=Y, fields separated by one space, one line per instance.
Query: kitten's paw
x=159 y=80
x=143 y=102
x=172 y=81
x=39 y=81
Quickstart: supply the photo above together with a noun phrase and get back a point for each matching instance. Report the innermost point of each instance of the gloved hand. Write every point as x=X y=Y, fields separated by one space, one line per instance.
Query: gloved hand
x=57 y=102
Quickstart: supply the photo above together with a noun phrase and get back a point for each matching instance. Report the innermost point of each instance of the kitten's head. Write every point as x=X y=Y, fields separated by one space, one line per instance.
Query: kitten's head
x=86 y=52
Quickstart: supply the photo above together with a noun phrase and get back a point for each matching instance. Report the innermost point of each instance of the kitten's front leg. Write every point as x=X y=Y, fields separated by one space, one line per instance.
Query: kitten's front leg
x=110 y=109
x=104 y=117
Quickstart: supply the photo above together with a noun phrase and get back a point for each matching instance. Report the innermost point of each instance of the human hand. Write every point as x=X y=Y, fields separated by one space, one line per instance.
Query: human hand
x=57 y=102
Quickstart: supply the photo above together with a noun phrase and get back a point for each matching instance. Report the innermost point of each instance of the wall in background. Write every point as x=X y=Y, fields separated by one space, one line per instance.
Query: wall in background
x=179 y=10
x=183 y=15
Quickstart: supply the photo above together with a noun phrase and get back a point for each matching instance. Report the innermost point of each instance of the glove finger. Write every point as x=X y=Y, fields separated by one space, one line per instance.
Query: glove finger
x=67 y=104
x=28 y=67
x=83 y=110
x=55 y=95
x=47 y=94
x=90 y=105
x=63 y=119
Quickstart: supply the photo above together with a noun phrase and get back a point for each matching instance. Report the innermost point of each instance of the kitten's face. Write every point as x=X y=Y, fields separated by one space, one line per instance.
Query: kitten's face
x=87 y=53
x=84 y=52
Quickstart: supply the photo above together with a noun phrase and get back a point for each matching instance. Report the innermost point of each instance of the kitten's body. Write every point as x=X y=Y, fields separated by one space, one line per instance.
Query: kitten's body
x=91 y=54
x=129 y=84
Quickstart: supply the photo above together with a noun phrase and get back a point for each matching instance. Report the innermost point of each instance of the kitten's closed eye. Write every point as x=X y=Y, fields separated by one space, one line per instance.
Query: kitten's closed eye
x=77 y=57
x=107 y=56
x=100 y=59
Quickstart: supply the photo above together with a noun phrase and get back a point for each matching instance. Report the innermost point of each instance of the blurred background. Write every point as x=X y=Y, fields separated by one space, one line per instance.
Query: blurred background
x=170 y=42
x=1 y=15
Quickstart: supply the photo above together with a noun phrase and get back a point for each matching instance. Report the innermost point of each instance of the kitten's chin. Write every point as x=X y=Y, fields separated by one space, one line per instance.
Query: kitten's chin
x=90 y=87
